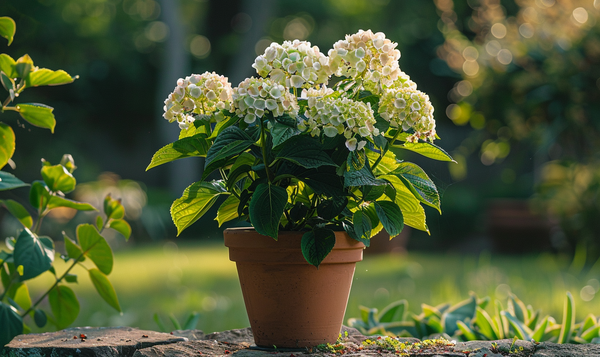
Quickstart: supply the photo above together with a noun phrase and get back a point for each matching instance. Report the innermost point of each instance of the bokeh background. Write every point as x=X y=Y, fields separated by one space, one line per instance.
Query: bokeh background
x=515 y=84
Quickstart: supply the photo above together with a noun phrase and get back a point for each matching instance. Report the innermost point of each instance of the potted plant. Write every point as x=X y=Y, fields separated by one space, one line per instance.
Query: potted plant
x=312 y=168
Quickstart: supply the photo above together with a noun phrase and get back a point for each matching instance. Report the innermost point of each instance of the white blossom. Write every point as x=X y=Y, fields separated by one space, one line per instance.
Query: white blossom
x=408 y=108
x=256 y=96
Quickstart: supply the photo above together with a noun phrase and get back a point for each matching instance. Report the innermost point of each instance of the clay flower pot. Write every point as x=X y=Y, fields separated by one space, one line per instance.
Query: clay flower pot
x=290 y=303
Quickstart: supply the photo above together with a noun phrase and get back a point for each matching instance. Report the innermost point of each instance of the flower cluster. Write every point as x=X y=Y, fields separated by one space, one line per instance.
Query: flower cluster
x=203 y=94
x=340 y=116
x=294 y=64
x=256 y=96
x=408 y=108
x=366 y=55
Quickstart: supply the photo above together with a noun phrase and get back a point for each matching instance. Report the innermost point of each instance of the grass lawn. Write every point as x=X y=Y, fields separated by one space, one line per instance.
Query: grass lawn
x=186 y=277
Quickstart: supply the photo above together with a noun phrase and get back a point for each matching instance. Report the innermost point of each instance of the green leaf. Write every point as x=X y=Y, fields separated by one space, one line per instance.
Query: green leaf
x=11 y=322
x=196 y=200
x=591 y=333
x=266 y=208
x=113 y=208
x=428 y=150
x=160 y=324
x=192 y=321
x=104 y=288
x=412 y=211
x=419 y=183
x=121 y=226
x=174 y=321
x=72 y=249
x=71 y=278
x=68 y=162
x=349 y=228
x=394 y=311
x=24 y=65
x=95 y=247
x=8 y=84
x=518 y=308
x=40 y=318
x=9 y=181
x=39 y=196
x=19 y=293
x=8 y=65
x=317 y=244
x=390 y=216
x=7 y=144
x=57 y=201
x=331 y=208
x=521 y=330
x=58 y=178
x=18 y=211
x=281 y=133
x=306 y=152
x=359 y=173
x=99 y=223
x=7 y=30
x=459 y=312
x=362 y=224
x=32 y=255
x=38 y=115
x=231 y=142
x=228 y=210
x=486 y=324
x=386 y=165
x=64 y=305
x=540 y=330
x=568 y=319
x=194 y=146
x=47 y=77
x=468 y=334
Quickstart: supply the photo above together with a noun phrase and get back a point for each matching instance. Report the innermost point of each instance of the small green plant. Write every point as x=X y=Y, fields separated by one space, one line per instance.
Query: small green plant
x=468 y=320
x=29 y=254
x=190 y=323
x=429 y=346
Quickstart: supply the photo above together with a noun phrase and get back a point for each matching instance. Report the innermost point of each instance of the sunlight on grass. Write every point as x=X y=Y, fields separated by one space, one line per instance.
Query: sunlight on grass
x=186 y=277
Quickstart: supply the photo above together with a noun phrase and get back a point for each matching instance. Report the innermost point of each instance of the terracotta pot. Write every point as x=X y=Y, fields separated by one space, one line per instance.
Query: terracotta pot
x=290 y=303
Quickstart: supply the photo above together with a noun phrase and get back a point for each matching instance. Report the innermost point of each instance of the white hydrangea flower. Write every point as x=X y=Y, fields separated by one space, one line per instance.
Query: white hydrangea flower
x=368 y=56
x=199 y=94
x=294 y=64
x=403 y=81
x=256 y=96
x=339 y=116
x=408 y=108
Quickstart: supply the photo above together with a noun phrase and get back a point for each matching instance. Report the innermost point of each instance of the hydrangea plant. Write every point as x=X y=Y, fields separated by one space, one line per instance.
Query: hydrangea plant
x=286 y=150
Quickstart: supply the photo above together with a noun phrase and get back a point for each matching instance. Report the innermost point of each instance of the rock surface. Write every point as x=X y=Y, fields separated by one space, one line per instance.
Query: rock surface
x=130 y=342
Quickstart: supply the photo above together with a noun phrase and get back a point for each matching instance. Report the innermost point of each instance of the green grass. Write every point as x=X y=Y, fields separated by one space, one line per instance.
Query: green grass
x=180 y=279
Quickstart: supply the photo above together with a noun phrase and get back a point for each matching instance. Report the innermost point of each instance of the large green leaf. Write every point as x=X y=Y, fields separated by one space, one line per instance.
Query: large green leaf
x=460 y=312
x=486 y=324
x=24 y=65
x=428 y=150
x=9 y=181
x=394 y=311
x=20 y=294
x=362 y=224
x=95 y=247
x=228 y=210
x=58 y=178
x=419 y=183
x=306 y=152
x=282 y=133
x=32 y=254
x=39 y=196
x=331 y=208
x=390 y=216
x=121 y=226
x=568 y=319
x=38 y=115
x=386 y=164
x=8 y=65
x=521 y=330
x=7 y=143
x=349 y=228
x=104 y=288
x=7 y=30
x=64 y=305
x=358 y=172
x=18 y=211
x=266 y=208
x=57 y=201
x=47 y=77
x=11 y=322
x=231 y=142
x=317 y=244
x=412 y=211
x=194 y=146
x=196 y=200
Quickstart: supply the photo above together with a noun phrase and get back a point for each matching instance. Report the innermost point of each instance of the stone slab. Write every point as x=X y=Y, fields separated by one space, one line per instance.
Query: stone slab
x=88 y=342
